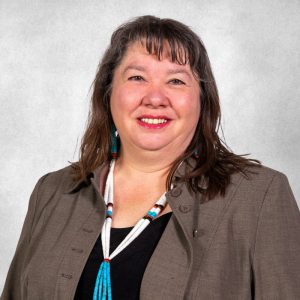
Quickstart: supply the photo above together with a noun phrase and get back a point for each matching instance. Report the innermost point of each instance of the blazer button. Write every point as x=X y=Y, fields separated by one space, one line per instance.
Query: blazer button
x=87 y=230
x=77 y=250
x=198 y=233
x=185 y=208
x=176 y=192
x=68 y=276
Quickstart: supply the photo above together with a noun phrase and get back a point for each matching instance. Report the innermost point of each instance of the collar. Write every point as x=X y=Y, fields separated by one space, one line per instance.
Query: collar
x=100 y=174
x=93 y=177
x=184 y=168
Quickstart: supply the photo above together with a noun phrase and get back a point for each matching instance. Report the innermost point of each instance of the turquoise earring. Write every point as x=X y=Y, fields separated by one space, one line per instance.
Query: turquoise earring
x=114 y=142
x=196 y=155
x=196 y=152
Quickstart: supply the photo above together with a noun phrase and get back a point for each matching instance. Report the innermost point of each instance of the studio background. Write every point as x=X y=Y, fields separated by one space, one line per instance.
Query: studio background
x=49 y=54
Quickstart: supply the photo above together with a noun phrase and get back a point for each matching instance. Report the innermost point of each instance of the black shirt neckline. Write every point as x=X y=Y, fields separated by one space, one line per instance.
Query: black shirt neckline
x=129 y=228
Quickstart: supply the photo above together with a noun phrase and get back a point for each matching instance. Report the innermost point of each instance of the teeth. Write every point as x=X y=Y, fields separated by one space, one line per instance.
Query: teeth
x=153 y=121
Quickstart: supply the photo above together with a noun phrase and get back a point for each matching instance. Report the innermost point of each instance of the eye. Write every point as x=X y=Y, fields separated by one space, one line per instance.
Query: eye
x=176 y=81
x=136 y=78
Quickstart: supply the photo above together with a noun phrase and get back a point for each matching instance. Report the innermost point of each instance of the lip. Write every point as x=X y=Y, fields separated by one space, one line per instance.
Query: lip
x=153 y=126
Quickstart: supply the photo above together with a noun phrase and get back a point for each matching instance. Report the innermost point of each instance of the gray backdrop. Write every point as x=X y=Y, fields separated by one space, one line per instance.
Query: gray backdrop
x=49 y=53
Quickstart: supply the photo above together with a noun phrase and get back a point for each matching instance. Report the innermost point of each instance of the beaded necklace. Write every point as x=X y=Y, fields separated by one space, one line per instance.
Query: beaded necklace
x=102 y=290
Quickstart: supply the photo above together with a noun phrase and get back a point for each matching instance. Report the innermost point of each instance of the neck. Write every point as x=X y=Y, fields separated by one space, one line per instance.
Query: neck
x=148 y=162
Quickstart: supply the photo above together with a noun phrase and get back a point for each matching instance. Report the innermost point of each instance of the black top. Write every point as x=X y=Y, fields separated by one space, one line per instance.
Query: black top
x=128 y=267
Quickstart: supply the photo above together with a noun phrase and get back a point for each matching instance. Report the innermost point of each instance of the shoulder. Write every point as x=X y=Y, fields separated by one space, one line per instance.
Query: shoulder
x=262 y=186
x=263 y=196
x=259 y=178
x=56 y=181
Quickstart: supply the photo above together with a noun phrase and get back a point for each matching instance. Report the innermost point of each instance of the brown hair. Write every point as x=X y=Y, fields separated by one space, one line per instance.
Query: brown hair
x=215 y=162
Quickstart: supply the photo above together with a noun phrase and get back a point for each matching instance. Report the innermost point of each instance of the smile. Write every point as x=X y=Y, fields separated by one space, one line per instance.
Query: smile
x=151 y=122
x=154 y=121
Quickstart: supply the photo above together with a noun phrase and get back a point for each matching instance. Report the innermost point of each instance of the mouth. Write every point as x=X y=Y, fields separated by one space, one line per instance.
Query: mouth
x=153 y=122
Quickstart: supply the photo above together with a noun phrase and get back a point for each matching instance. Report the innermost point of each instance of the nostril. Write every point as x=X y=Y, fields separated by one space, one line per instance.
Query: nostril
x=156 y=99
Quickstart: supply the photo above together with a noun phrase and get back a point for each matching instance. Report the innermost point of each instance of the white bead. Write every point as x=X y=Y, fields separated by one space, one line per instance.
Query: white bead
x=135 y=231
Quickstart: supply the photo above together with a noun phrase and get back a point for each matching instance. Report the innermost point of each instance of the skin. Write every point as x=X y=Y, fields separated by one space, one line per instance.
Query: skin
x=145 y=86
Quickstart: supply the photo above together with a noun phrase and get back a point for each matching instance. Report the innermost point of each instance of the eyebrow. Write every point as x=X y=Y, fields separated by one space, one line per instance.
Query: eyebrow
x=179 y=71
x=134 y=67
x=169 y=72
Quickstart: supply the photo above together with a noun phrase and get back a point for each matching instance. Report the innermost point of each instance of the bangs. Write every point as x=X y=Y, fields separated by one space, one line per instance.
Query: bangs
x=157 y=45
x=160 y=36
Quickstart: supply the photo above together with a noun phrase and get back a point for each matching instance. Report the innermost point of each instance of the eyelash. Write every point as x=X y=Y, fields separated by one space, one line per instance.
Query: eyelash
x=136 y=78
x=140 y=78
x=177 y=81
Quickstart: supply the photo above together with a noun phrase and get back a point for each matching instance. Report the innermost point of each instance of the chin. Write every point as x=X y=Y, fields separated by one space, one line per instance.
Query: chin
x=152 y=146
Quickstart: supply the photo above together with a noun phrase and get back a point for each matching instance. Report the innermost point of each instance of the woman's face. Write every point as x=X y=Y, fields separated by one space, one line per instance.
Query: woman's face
x=154 y=103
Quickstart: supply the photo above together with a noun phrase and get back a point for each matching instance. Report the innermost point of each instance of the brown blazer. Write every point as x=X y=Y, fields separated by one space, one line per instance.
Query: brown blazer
x=245 y=245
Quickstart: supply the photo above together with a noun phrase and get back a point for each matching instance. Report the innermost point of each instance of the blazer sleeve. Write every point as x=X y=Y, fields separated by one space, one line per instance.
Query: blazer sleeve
x=13 y=288
x=276 y=259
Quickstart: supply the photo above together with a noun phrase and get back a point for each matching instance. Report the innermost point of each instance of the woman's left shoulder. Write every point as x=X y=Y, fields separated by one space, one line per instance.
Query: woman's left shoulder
x=260 y=178
x=264 y=188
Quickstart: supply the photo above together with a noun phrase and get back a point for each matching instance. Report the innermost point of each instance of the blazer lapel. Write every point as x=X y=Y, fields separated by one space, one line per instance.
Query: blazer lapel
x=167 y=271
x=174 y=267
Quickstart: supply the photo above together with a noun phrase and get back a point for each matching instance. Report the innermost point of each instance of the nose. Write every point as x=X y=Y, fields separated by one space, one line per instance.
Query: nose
x=155 y=97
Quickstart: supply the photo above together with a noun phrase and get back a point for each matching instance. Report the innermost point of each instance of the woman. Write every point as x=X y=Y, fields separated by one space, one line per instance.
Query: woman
x=157 y=207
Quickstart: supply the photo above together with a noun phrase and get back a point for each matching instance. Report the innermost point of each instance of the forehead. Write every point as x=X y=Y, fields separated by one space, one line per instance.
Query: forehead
x=138 y=49
x=140 y=46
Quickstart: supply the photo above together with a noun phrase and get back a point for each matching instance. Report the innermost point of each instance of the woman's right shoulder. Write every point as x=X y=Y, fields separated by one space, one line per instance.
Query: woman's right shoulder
x=59 y=181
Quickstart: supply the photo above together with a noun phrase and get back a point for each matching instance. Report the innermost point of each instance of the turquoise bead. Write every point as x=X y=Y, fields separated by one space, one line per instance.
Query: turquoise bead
x=102 y=290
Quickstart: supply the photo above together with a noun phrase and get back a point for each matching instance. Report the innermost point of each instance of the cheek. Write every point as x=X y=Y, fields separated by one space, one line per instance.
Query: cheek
x=115 y=105
x=197 y=108
x=195 y=102
x=123 y=102
x=193 y=110
x=189 y=105
x=117 y=96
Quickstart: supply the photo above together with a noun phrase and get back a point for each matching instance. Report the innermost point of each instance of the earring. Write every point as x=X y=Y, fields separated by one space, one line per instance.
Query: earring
x=196 y=155
x=114 y=142
x=196 y=152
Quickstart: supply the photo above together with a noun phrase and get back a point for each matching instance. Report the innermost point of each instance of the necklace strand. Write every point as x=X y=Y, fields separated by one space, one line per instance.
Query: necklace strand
x=102 y=289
